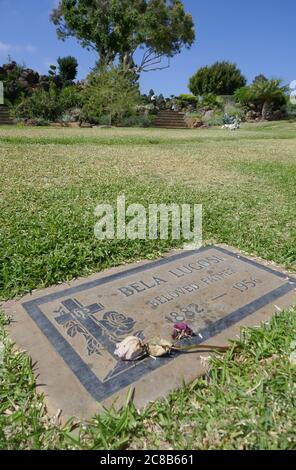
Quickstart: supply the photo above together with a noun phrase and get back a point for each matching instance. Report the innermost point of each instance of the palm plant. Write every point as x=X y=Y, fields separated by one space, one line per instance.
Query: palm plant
x=269 y=93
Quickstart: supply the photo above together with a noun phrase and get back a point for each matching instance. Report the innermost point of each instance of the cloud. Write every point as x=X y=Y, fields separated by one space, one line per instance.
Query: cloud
x=5 y=47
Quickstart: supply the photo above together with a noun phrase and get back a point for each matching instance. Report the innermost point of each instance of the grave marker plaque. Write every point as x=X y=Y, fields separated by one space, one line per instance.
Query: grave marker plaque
x=72 y=331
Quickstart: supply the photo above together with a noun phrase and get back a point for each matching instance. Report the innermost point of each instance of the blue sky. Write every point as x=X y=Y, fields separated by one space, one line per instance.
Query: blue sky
x=259 y=35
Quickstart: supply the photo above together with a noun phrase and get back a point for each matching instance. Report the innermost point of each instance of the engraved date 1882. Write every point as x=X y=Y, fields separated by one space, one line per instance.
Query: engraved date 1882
x=188 y=313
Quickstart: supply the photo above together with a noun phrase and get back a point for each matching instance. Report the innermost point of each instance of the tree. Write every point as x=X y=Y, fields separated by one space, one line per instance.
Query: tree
x=18 y=81
x=116 y=29
x=260 y=78
x=263 y=96
x=221 y=78
x=110 y=92
x=67 y=69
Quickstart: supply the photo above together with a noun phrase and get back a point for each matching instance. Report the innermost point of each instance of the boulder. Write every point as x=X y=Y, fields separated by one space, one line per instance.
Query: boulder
x=193 y=123
x=250 y=116
x=209 y=114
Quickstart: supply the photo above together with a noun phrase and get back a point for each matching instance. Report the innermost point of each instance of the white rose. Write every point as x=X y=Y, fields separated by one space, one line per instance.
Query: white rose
x=130 y=349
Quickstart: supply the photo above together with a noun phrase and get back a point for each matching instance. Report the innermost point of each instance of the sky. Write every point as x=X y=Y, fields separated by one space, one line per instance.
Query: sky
x=258 y=35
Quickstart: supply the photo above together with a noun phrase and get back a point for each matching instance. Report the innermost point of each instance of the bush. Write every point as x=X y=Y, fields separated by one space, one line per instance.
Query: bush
x=234 y=111
x=38 y=122
x=112 y=92
x=291 y=111
x=41 y=105
x=211 y=101
x=51 y=105
x=222 y=78
x=185 y=100
x=263 y=96
x=245 y=97
x=138 y=121
x=71 y=97
x=18 y=81
x=217 y=119
x=195 y=114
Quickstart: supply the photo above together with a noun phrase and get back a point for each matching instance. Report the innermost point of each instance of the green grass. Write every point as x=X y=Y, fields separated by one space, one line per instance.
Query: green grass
x=246 y=401
x=51 y=180
x=48 y=193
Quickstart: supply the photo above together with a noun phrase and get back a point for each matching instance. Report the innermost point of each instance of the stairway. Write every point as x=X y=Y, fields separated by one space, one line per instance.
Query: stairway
x=170 y=120
x=4 y=115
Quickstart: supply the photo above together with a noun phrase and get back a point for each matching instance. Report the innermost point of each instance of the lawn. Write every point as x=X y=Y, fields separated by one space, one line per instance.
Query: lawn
x=52 y=179
x=50 y=183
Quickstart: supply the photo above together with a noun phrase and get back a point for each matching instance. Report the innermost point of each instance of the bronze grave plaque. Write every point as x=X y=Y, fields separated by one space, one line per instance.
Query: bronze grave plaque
x=72 y=332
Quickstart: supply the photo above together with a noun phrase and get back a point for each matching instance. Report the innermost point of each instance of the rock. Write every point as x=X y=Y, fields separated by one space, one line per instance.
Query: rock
x=193 y=123
x=198 y=123
x=209 y=114
x=31 y=122
x=74 y=114
x=275 y=115
x=85 y=125
x=251 y=116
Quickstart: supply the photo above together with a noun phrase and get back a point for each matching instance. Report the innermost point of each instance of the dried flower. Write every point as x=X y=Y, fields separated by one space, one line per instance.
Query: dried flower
x=181 y=330
x=158 y=347
x=130 y=349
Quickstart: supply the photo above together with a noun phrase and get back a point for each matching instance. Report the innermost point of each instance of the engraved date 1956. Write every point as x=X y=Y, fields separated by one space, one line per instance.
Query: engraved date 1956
x=246 y=284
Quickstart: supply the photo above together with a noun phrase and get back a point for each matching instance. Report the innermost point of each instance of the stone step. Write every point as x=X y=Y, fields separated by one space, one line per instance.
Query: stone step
x=5 y=116
x=5 y=120
x=4 y=112
x=172 y=116
x=170 y=119
x=167 y=126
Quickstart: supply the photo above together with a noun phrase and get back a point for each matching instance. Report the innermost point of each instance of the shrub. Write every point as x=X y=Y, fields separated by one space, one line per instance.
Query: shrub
x=222 y=78
x=138 y=121
x=185 y=100
x=217 y=119
x=263 y=96
x=71 y=97
x=211 y=101
x=11 y=74
x=51 y=105
x=291 y=110
x=234 y=111
x=112 y=92
x=39 y=122
x=245 y=97
x=42 y=104
x=195 y=114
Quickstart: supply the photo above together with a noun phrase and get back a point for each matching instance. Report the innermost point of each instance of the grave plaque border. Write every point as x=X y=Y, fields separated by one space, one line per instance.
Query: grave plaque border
x=102 y=390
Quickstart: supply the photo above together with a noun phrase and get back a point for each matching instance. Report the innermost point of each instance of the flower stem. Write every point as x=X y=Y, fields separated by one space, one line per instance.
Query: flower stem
x=198 y=347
